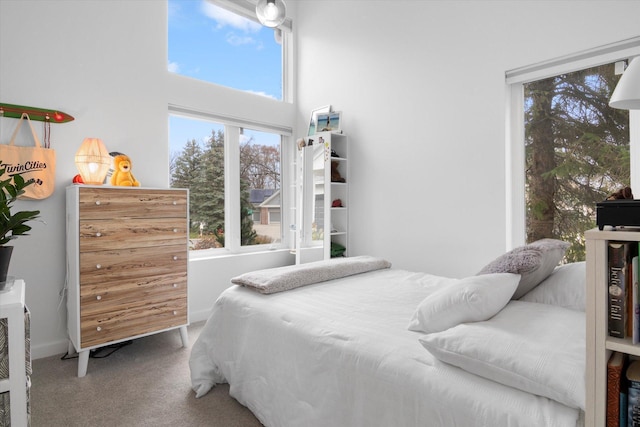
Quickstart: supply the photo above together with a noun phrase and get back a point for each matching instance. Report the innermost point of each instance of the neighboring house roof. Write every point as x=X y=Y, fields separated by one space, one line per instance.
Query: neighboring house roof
x=257 y=196
x=272 y=201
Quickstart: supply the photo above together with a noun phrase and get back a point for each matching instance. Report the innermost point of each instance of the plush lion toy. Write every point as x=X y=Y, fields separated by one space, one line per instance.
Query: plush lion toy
x=122 y=175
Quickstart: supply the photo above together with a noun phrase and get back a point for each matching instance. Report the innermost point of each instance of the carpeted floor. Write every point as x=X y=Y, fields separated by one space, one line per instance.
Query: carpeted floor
x=145 y=383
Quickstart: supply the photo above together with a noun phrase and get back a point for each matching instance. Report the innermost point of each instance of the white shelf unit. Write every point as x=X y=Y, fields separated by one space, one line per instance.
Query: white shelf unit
x=599 y=344
x=318 y=223
x=12 y=308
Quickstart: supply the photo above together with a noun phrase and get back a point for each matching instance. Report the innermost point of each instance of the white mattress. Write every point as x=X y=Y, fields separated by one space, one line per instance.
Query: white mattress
x=339 y=353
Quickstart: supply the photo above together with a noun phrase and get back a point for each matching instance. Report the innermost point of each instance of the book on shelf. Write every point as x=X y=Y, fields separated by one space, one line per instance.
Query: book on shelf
x=635 y=301
x=616 y=390
x=633 y=394
x=623 y=302
x=617 y=288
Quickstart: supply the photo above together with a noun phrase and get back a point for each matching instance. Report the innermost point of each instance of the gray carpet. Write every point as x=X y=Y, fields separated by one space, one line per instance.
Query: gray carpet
x=143 y=384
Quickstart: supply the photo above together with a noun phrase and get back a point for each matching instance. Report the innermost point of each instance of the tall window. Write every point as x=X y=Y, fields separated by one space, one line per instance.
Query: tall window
x=225 y=147
x=209 y=43
x=576 y=153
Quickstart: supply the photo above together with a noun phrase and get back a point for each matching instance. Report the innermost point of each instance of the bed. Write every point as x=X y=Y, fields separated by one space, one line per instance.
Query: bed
x=353 y=342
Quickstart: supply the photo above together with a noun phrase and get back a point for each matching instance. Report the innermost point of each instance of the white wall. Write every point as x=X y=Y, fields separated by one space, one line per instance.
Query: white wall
x=422 y=90
x=105 y=63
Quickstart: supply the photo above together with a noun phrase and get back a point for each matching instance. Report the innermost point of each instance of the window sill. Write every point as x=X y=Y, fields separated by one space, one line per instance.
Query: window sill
x=207 y=254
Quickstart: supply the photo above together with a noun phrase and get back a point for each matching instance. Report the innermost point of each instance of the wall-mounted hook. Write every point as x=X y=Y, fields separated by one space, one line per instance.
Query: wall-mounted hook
x=39 y=114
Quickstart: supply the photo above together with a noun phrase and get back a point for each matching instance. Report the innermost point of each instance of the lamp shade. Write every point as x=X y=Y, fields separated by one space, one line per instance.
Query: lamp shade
x=271 y=13
x=626 y=95
x=93 y=161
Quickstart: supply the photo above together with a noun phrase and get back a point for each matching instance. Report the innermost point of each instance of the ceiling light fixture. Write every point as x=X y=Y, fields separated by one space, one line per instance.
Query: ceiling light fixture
x=271 y=13
x=626 y=95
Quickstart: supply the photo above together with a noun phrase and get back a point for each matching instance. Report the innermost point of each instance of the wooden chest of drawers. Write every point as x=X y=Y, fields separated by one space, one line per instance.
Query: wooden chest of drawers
x=127 y=250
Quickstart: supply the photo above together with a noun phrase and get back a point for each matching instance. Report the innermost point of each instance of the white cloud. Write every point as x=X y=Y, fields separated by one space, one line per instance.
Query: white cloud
x=266 y=95
x=235 y=40
x=225 y=18
x=174 y=67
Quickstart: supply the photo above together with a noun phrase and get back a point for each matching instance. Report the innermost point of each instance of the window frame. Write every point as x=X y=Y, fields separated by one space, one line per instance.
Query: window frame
x=235 y=109
x=515 y=80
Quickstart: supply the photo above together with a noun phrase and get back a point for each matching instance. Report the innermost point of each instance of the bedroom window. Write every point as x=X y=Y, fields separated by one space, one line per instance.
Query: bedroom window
x=576 y=153
x=260 y=184
x=566 y=148
x=197 y=163
x=226 y=145
x=225 y=45
x=233 y=177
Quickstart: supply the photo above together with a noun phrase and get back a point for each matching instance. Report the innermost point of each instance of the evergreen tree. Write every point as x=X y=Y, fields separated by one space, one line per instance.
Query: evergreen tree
x=577 y=153
x=247 y=233
x=210 y=184
x=202 y=171
x=186 y=168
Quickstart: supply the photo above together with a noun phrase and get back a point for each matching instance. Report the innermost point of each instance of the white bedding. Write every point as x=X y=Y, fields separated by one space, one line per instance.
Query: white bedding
x=339 y=353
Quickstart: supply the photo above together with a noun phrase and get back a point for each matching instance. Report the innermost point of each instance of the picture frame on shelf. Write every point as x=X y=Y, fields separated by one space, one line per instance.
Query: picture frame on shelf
x=329 y=122
x=314 y=117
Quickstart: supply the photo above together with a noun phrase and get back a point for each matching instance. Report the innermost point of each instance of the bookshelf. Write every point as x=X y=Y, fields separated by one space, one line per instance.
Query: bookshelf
x=599 y=344
x=318 y=222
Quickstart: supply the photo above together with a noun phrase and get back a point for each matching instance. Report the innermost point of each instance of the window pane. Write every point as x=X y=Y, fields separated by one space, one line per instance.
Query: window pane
x=197 y=163
x=260 y=199
x=212 y=44
x=577 y=153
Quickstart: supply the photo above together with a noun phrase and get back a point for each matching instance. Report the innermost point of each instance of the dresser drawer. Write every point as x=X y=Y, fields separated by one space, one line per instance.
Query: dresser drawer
x=137 y=319
x=103 y=297
x=131 y=264
x=96 y=235
x=124 y=203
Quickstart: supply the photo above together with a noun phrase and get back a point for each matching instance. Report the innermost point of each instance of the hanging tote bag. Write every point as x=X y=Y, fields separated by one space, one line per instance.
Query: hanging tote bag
x=32 y=162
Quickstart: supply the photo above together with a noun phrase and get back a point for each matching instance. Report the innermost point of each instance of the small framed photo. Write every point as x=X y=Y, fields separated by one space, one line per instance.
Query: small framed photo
x=314 y=117
x=329 y=122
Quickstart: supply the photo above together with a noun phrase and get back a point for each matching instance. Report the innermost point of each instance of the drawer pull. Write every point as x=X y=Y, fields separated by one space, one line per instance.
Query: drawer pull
x=175 y=203
x=175 y=230
x=98 y=202
x=175 y=312
x=175 y=285
x=98 y=266
x=99 y=297
x=98 y=234
x=175 y=258
x=98 y=329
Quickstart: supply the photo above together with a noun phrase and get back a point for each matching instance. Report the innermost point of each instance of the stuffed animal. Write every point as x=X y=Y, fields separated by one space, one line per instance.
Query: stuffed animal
x=122 y=175
x=623 y=193
x=335 y=173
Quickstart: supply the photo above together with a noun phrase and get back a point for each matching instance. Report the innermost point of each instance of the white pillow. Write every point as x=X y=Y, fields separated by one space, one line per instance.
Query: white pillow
x=537 y=348
x=471 y=299
x=566 y=287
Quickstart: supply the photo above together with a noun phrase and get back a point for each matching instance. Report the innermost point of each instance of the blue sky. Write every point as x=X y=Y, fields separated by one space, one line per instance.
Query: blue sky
x=211 y=44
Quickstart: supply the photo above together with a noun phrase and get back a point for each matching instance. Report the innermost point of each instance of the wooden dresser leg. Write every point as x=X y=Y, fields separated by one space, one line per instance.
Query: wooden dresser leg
x=83 y=361
x=184 y=336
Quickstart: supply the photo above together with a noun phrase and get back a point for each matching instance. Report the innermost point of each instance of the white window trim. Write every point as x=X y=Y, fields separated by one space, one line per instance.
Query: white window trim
x=247 y=9
x=232 y=206
x=514 y=119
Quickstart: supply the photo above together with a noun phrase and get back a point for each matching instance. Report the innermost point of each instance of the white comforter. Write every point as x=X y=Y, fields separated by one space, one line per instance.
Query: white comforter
x=339 y=353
